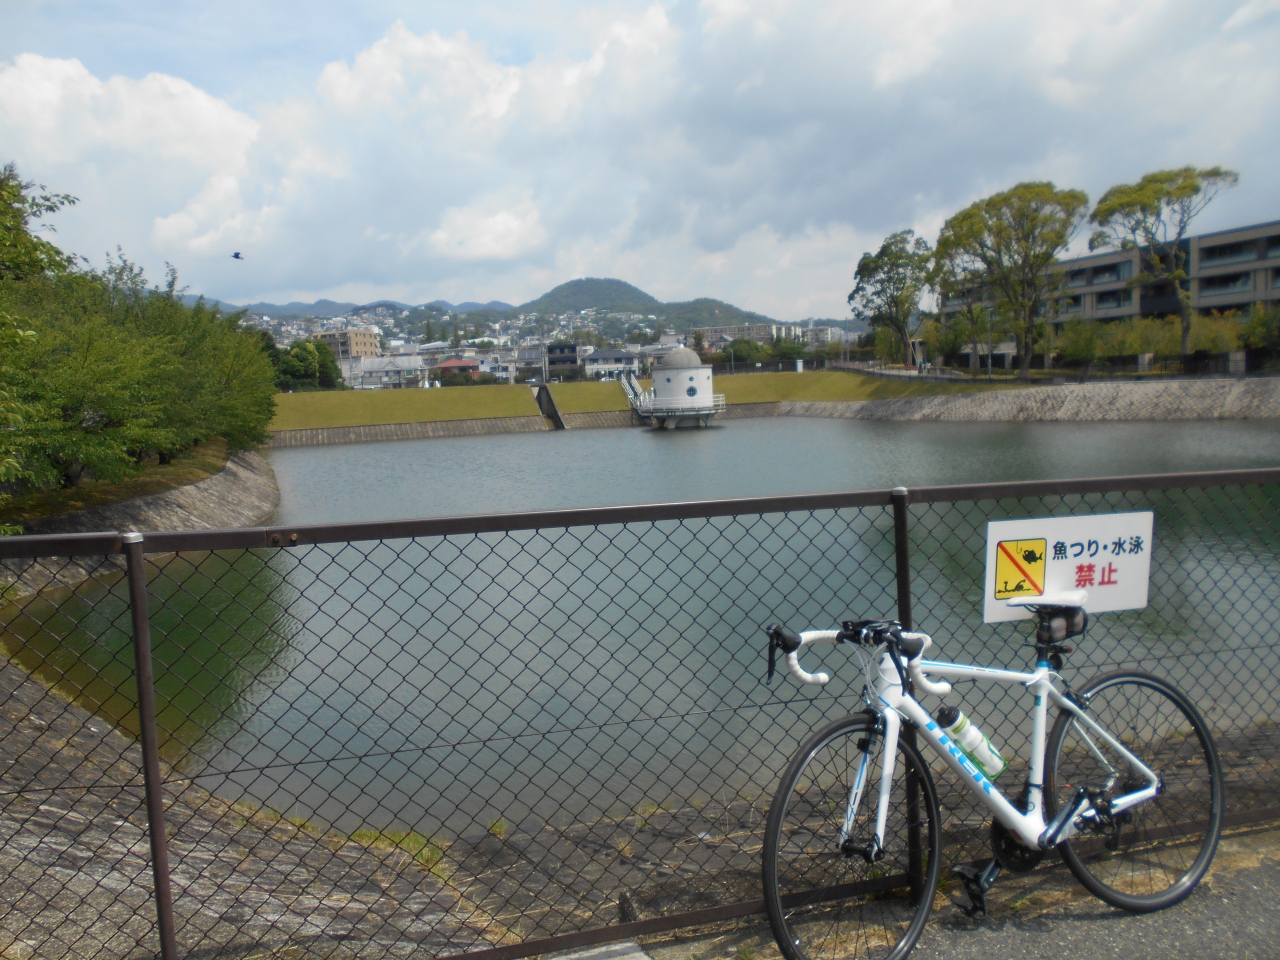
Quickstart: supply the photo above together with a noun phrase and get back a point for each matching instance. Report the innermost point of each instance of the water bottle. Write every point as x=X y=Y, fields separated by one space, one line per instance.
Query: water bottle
x=975 y=744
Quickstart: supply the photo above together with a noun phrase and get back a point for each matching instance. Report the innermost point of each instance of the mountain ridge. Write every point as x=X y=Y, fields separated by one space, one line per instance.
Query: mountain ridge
x=609 y=294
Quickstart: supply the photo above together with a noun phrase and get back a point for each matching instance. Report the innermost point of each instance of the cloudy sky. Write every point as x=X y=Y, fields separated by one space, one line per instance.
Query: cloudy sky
x=749 y=150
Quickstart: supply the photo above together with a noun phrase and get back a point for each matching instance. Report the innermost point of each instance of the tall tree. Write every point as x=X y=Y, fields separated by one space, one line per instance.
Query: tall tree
x=958 y=279
x=889 y=283
x=1153 y=216
x=1011 y=239
x=22 y=253
x=12 y=412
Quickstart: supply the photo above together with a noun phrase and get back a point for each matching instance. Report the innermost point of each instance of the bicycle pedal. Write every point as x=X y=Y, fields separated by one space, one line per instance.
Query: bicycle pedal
x=970 y=880
x=976 y=884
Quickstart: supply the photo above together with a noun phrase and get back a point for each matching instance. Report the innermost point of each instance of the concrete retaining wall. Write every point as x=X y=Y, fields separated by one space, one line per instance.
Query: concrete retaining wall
x=1159 y=400
x=601 y=418
x=745 y=411
x=408 y=431
x=243 y=494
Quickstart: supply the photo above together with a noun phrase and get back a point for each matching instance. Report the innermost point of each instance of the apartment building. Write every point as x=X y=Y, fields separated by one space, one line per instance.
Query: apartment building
x=610 y=363
x=712 y=337
x=1234 y=269
x=346 y=344
x=1228 y=270
x=563 y=356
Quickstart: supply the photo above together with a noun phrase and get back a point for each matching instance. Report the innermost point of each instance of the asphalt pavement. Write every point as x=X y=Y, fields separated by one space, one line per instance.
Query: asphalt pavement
x=1234 y=913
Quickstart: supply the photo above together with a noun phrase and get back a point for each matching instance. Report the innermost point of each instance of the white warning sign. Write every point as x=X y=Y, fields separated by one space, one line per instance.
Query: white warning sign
x=1108 y=556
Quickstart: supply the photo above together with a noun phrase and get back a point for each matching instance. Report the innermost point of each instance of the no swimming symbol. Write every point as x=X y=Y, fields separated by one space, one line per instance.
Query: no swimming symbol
x=1020 y=568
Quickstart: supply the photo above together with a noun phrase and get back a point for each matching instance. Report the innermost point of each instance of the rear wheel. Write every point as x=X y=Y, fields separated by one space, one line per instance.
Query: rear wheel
x=1152 y=855
x=825 y=900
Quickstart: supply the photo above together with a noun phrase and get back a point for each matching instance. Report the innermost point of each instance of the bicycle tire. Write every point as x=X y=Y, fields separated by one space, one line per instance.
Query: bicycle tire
x=825 y=904
x=1163 y=848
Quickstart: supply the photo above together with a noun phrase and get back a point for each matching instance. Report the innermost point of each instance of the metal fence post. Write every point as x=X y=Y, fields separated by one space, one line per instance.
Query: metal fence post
x=150 y=744
x=902 y=554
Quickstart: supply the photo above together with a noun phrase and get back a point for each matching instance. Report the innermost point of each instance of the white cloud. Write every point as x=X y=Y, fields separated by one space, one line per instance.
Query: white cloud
x=749 y=150
x=489 y=232
x=52 y=105
x=1251 y=11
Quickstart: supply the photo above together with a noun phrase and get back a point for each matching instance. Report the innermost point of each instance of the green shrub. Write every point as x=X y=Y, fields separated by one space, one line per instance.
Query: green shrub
x=109 y=372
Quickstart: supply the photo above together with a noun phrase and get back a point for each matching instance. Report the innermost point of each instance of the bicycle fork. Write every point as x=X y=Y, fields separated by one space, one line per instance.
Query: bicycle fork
x=888 y=727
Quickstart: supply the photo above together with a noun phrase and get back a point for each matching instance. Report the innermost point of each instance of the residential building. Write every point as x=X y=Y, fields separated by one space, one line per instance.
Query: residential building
x=1234 y=269
x=821 y=336
x=456 y=365
x=390 y=372
x=529 y=358
x=562 y=356
x=759 y=332
x=352 y=342
x=504 y=368
x=439 y=349
x=1227 y=270
x=610 y=363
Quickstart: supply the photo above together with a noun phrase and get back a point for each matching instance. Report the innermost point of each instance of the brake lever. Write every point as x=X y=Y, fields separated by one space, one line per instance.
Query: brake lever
x=778 y=642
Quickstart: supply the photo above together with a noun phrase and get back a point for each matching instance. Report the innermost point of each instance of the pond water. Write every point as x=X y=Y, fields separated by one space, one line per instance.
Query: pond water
x=440 y=684
x=736 y=458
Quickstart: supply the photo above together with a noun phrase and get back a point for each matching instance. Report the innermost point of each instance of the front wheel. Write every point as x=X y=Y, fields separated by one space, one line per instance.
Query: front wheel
x=824 y=899
x=1152 y=855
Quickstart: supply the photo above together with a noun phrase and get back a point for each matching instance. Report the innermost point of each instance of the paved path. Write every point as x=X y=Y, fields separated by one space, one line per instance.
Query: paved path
x=1234 y=913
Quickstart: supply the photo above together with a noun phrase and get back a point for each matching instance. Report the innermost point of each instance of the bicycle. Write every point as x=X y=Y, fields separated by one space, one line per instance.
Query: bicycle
x=1126 y=785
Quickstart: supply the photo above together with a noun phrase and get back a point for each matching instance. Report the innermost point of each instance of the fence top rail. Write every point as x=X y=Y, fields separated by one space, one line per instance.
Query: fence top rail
x=61 y=545
x=80 y=544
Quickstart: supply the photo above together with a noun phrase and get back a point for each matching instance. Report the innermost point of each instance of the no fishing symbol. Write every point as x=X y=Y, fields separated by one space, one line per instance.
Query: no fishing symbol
x=1020 y=568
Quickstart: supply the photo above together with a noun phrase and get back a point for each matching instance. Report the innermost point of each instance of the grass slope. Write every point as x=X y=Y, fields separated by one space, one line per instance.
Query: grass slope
x=830 y=385
x=587 y=397
x=201 y=461
x=358 y=408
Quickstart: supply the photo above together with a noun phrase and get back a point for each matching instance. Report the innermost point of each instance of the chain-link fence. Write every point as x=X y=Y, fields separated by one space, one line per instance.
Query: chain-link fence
x=511 y=734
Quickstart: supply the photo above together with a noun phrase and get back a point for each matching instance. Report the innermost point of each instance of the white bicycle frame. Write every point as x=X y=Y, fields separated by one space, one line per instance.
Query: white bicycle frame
x=894 y=704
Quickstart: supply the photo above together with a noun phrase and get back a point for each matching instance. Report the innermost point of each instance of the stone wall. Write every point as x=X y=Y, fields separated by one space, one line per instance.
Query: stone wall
x=243 y=494
x=408 y=431
x=744 y=411
x=1154 y=400
x=601 y=418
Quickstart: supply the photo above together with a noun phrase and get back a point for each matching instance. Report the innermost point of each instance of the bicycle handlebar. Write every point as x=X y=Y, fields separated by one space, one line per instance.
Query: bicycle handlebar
x=866 y=632
x=793 y=657
x=938 y=688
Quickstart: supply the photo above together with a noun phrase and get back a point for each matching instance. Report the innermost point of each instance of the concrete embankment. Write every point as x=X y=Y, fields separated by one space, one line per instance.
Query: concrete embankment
x=75 y=874
x=1152 y=400
x=320 y=436
x=600 y=418
x=242 y=494
x=1159 y=400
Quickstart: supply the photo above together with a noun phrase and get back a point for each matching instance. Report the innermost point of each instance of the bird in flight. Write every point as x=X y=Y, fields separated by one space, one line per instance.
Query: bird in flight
x=237 y=256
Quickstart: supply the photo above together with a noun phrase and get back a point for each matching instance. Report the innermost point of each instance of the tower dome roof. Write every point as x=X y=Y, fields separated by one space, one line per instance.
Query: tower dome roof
x=680 y=357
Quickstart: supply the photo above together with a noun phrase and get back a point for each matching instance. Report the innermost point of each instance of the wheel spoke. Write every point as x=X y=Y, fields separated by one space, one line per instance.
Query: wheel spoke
x=1158 y=856
x=829 y=904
